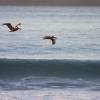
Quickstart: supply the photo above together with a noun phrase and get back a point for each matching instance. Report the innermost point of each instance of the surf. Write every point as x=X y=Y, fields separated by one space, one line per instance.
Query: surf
x=55 y=68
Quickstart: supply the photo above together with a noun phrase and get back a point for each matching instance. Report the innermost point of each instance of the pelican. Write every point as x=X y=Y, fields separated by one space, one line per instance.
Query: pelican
x=12 y=28
x=52 y=38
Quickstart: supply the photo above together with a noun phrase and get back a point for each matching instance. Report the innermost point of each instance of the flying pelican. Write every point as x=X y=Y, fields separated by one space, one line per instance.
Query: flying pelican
x=12 y=28
x=52 y=38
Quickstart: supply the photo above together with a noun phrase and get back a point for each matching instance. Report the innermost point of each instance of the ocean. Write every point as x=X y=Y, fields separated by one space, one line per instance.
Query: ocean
x=31 y=68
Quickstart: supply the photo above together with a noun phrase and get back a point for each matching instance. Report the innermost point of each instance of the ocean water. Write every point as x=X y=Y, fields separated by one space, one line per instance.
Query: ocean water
x=33 y=69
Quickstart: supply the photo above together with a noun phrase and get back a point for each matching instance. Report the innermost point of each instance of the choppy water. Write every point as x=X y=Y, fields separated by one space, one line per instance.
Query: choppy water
x=33 y=68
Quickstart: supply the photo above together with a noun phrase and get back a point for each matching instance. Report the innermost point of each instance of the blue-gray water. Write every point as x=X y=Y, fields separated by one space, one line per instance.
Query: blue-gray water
x=36 y=69
x=77 y=30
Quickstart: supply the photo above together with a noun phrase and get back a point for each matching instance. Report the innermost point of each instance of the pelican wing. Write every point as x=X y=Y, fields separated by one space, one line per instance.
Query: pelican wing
x=18 y=24
x=53 y=41
x=9 y=26
x=46 y=37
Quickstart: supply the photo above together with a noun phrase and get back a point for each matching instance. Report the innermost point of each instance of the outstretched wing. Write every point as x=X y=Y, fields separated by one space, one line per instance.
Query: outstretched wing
x=18 y=24
x=9 y=26
x=46 y=37
x=53 y=41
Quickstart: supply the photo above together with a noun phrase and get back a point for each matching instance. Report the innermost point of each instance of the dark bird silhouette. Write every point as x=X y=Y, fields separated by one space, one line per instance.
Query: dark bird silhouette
x=12 y=28
x=52 y=38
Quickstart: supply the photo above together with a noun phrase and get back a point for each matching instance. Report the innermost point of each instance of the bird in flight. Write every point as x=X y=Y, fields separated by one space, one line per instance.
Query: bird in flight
x=12 y=28
x=52 y=38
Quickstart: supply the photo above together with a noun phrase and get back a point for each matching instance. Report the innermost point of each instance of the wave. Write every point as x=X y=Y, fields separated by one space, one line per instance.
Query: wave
x=58 y=68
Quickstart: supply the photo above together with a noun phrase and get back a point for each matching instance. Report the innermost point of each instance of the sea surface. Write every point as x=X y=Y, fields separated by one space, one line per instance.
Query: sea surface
x=31 y=68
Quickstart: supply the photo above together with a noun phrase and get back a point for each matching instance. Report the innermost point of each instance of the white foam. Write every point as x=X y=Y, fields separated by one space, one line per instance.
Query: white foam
x=50 y=95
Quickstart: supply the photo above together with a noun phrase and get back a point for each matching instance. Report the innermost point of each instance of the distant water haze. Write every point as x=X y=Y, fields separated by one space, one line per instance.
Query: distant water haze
x=52 y=2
